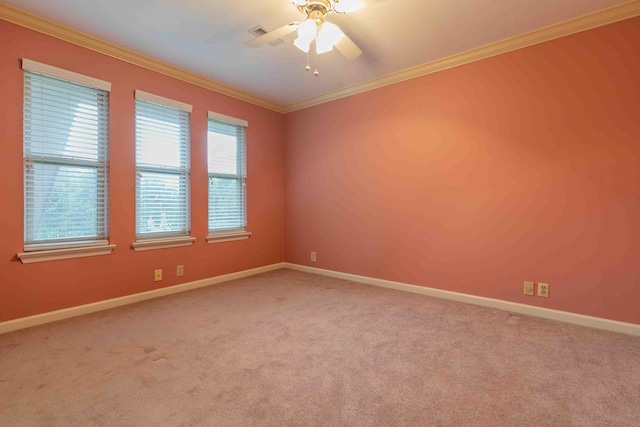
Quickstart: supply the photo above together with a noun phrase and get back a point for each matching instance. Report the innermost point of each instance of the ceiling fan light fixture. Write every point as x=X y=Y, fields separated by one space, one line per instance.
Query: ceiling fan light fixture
x=303 y=45
x=307 y=31
x=328 y=36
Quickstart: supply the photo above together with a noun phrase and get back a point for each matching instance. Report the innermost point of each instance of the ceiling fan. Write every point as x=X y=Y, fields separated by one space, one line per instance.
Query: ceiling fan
x=315 y=28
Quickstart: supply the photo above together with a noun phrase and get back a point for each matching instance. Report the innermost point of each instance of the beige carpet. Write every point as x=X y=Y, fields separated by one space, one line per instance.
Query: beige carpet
x=290 y=348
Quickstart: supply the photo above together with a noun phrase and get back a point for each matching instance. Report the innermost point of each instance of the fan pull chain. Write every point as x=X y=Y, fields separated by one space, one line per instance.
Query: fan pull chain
x=315 y=73
x=307 y=68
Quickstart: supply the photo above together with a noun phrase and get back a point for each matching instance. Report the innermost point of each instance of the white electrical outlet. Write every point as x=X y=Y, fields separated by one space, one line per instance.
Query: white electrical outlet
x=313 y=257
x=157 y=275
x=543 y=290
x=180 y=270
x=529 y=288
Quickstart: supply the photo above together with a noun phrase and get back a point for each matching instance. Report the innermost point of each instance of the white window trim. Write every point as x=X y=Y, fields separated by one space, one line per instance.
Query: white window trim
x=143 y=243
x=58 y=254
x=239 y=234
x=157 y=99
x=162 y=243
x=228 y=236
x=51 y=71
x=228 y=119
x=42 y=252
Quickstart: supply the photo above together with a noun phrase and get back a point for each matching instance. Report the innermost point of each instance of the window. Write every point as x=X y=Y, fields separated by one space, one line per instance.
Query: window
x=66 y=182
x=162 y=172
x=227 y=163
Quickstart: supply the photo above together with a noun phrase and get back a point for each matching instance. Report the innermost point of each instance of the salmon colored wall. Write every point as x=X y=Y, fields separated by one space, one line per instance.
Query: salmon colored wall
x=37 y=288
x=525 y=166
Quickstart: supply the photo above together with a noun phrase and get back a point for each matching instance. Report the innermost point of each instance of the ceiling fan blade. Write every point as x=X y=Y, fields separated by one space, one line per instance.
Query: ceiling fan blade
x=273 y=35
x=348 y=48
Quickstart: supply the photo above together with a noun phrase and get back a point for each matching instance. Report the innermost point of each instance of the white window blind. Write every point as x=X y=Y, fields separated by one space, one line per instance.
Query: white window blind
x=66 y=128
x=162 y=169
x=227 y=162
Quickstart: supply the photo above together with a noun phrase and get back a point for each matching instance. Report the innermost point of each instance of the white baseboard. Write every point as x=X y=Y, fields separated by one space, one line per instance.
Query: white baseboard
x=53 y=316
x=562 y=316
x=529 y=310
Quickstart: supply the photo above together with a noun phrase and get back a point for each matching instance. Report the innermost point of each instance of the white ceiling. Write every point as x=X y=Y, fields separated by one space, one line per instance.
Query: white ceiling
x=208 y=36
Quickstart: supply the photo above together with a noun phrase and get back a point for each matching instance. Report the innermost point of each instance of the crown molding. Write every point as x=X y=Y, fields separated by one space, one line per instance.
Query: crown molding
x=586 y=22
x=53 y=29
x=613 y=14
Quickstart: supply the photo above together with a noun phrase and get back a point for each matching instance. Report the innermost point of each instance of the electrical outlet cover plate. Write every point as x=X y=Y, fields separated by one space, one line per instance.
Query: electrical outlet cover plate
x=543 y=290
x=157 y=276
x=313 y=257
x=529 y=288
x=180 y=270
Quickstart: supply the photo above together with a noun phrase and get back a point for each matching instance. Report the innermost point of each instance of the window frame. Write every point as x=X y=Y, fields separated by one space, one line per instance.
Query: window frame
x=182 y=237
x=55 y=249
x=240 y=233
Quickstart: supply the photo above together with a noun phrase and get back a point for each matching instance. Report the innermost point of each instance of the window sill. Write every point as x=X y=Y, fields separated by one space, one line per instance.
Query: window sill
x=228 y=236
x=163 y=243
x=57 y=254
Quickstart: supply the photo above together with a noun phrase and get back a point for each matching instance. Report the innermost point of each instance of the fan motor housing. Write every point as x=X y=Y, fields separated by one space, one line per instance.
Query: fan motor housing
x=316 y=9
